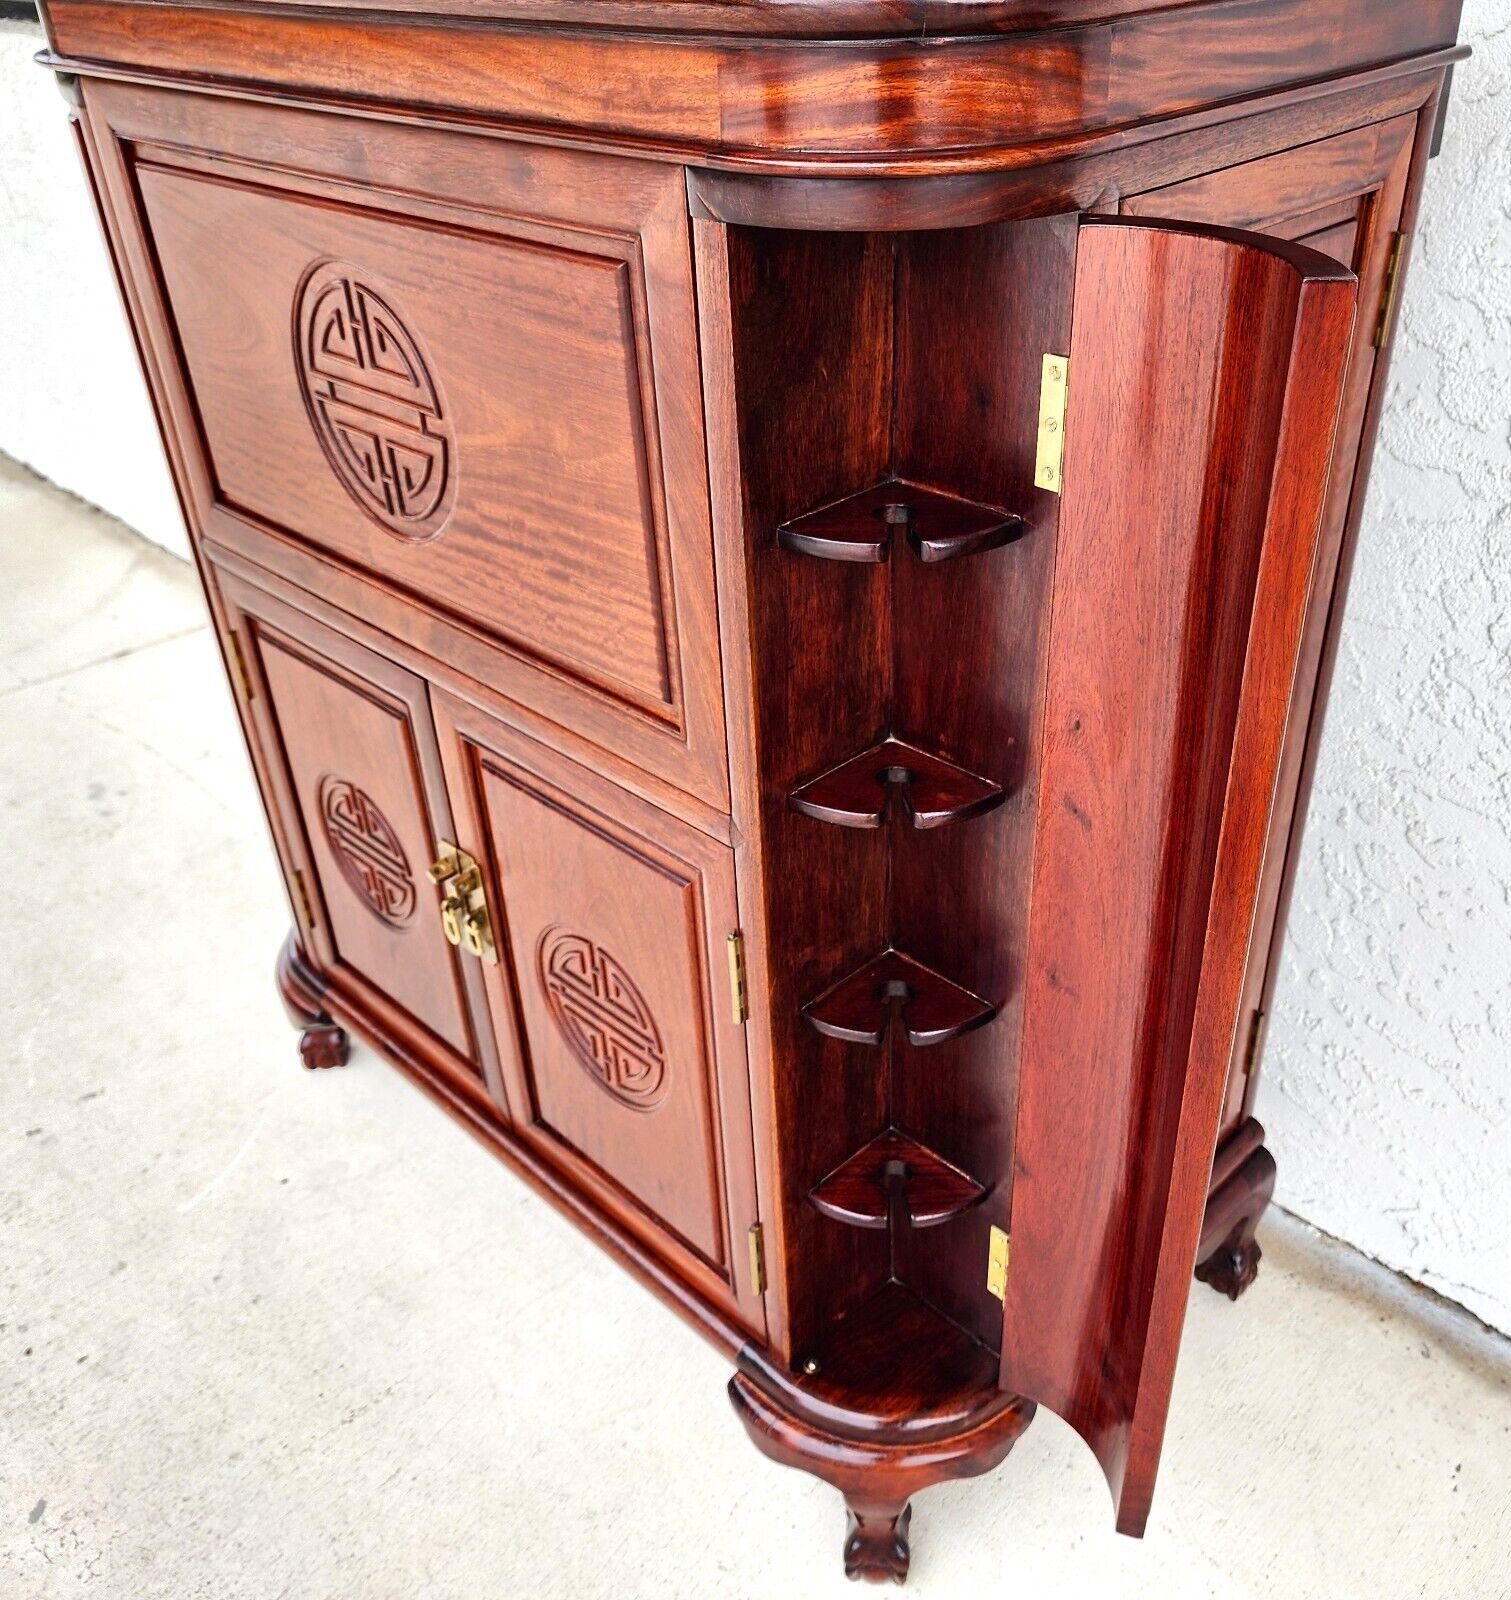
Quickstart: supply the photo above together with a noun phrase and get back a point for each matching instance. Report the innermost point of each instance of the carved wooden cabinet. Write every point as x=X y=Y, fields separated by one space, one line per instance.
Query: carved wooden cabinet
x=779 y=564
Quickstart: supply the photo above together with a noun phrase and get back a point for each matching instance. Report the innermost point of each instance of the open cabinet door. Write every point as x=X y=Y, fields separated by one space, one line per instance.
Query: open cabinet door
x=1204 y=383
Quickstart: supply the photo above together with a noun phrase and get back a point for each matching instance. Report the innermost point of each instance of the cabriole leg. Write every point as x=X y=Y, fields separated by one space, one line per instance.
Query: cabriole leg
x=876 y=1538
x=322 y=1043
x=1231 y=1263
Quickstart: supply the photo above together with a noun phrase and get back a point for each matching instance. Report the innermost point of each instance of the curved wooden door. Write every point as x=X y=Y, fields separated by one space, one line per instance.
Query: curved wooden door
x=1206 y=369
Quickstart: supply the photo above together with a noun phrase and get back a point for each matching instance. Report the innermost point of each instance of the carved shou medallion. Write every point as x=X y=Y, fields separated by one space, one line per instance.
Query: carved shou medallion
x=372 y=401
x=367 y=850
x=604 y=1018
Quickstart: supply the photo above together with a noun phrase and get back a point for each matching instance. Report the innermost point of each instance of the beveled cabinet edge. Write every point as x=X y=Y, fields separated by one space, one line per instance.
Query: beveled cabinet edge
x=828 y=107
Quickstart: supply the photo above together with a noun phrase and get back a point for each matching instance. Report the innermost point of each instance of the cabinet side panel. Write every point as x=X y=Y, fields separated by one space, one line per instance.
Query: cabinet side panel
x=1343 y=196
x=810 y=328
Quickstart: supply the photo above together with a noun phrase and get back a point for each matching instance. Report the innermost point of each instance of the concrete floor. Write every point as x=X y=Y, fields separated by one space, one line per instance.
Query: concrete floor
x=267 y=1333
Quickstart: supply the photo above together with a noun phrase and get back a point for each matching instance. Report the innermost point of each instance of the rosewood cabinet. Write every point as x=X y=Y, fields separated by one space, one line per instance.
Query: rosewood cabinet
x=780 y=563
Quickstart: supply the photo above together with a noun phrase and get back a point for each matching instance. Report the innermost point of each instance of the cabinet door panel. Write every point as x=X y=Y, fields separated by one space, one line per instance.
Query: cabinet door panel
x=352 y=769
x=1205 y=375
x=1343 y=196
x=625 y=1067
x=454 y=388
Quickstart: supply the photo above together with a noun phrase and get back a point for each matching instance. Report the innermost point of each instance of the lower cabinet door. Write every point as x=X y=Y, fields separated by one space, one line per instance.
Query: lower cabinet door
x=624 y=1064
x=351 y=773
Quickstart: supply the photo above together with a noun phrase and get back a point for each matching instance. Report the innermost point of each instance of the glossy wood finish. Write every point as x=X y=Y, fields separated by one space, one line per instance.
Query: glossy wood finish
x=929 y=1008
x=942 y=104
x=354 y=770
x=570 y=272
x=930 y=791
x=1166 y=704
x=1243 y=1180
x=1344 y=196
x=894 y=1400
x=321 y=1042
x=938 y=527
x=516 y=359
x=895 y=1181
x=623 y=1064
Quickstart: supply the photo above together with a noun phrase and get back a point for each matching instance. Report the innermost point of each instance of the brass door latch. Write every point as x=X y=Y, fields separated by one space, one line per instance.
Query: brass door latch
x=464 y=907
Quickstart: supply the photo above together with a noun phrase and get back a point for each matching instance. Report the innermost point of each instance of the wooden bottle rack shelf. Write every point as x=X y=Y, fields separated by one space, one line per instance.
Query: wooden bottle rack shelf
x=932 y=791
x=860 y=1007
x=940 y=527
x=896 y=1179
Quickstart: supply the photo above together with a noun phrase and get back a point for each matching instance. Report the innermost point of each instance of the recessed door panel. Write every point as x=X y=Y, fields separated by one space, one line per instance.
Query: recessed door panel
x=352 y=769
x=450 y=384
x=625 y=1066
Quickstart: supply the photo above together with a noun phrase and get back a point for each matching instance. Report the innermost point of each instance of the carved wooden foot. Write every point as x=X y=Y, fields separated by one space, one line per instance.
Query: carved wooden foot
x=322 y=1042
x=1229 y=1254
x=876 y=1539
x=323 y=1045
x=1232 y=1268
x=881 y=1440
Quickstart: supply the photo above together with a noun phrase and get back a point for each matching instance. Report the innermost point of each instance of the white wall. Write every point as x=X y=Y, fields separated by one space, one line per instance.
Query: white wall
x=1388 y=1079
x=72 y=402
x=1387 y=1086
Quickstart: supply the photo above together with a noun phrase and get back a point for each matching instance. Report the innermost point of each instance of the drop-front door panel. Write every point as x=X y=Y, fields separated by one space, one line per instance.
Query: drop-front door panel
x=1343 y=196
x=351 y=768
x=624 y=1065
x=450 y=383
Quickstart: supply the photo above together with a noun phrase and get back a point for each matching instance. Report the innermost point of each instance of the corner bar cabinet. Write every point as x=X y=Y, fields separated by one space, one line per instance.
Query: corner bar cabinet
x=779 y=565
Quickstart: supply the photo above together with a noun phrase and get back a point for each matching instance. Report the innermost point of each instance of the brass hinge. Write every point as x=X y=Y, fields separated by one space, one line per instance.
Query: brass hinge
x=239 y=663
x=997 y=1255
x=302 y=897
x=1256 y=1038
x=1054 y=384
x=464 y=905
x=756 y=1239
x=1392 y=288
x=739 y=1007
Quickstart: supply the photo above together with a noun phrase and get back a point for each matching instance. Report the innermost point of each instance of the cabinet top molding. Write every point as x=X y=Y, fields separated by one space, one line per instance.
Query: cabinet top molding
x=916 y=21
x=807 y=88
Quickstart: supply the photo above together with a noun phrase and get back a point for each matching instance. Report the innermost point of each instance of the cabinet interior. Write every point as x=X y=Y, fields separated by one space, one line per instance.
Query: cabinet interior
x=891 y=382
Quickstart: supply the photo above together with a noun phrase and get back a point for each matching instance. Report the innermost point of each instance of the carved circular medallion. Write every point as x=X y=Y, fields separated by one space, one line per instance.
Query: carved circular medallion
x=367 y=850
x=372 y=402
x=604 y=1018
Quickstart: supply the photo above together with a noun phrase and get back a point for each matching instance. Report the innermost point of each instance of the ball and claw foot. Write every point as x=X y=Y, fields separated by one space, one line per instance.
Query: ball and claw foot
x=1231 y=1268
x=323 y=1044
x=876 y=1542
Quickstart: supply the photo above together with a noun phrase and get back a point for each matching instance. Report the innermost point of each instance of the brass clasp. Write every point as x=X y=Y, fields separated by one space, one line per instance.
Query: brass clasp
x=464 y=906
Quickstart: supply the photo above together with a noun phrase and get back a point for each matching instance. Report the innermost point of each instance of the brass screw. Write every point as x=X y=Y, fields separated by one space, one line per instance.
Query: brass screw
x=810 y=1366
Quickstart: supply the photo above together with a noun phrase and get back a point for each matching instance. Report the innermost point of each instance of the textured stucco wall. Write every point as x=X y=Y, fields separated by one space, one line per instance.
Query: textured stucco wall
x=72 y=403
x=1387 y=1088
x=1389 y=1065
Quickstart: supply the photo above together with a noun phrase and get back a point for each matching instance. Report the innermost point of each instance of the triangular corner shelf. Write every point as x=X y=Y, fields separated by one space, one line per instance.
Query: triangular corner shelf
x=939 y=526
x=931 y=790
x=930 y=1008
x=891 y=1176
